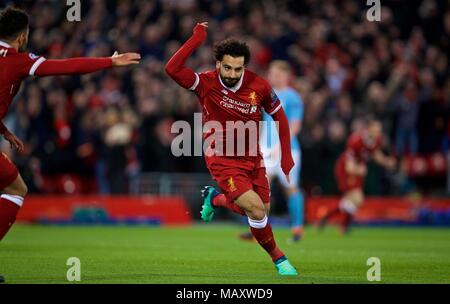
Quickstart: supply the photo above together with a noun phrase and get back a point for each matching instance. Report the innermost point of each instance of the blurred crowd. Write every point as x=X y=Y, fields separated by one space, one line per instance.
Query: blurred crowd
x=107 y=127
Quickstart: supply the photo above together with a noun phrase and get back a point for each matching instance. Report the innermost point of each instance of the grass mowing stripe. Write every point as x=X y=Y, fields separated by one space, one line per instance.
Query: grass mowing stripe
x=213 y=254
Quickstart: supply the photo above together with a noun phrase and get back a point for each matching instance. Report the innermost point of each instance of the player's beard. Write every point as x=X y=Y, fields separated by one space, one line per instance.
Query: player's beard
x=229 y=82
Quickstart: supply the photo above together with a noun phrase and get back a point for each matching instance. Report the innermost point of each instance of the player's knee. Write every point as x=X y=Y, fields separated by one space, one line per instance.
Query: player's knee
x=358 y=197
x=21 y=189
x=256 y=211
x=267 y=208
x=18 y=187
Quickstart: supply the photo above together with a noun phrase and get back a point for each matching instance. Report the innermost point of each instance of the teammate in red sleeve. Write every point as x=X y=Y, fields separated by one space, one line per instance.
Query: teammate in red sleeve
x=230 y=95
x=351 y=169
x=16 y=65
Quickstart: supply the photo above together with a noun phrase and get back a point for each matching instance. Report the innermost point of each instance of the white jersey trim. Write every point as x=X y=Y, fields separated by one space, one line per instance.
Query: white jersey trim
x=4 y=44
x=35 y=66
x=237 y=86
x=276 y=110
x=197 y=81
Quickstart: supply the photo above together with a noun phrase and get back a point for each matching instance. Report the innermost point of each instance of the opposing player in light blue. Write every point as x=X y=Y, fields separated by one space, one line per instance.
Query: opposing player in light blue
x=279 y=77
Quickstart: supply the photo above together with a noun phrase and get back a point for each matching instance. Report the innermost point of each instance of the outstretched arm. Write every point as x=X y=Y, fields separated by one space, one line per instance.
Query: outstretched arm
x=85 y=65
x=176 y=68
x=383 y=160
x=287 y=161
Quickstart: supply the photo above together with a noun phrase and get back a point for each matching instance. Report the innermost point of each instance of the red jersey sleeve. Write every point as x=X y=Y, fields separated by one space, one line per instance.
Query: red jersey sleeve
x=271 y=103
x=354 y=145
x=202 y=83
x=73 y=66
x=379 y=143
x=28 y=64
x=176 y=67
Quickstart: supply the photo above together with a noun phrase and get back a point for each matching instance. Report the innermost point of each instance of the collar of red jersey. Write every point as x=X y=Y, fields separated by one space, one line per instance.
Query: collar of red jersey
x=369 y=141
x=236 y=87
x=4 y=44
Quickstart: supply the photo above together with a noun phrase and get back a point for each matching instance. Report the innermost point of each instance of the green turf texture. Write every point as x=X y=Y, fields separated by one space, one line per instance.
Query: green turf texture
x=212 y=254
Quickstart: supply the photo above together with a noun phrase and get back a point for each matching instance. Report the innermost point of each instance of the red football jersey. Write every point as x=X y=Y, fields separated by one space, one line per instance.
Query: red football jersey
x=360 y=147
x=242 y=103
x=14 y=68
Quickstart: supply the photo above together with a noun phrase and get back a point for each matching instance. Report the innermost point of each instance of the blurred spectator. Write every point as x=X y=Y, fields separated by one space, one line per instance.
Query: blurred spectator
x=407 y=104
x=108 y=126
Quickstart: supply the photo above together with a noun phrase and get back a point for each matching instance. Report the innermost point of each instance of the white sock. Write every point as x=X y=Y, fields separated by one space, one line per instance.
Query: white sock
x=16 y=199
x=347 y=206
x=258 y=224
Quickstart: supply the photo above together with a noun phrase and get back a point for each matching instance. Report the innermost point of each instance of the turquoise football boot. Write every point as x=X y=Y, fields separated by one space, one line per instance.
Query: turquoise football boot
x=285 y=268
x=208 y=194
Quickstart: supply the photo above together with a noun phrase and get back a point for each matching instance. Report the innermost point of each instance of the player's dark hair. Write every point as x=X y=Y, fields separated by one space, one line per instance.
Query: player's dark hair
x=13 y=21
x=233 y=48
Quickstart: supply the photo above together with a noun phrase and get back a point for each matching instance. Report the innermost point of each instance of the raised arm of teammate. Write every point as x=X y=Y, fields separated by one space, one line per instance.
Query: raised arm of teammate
x=85 y=65
x=383 y=160
x=176 y=68
x=69 y=67
x=284 y=134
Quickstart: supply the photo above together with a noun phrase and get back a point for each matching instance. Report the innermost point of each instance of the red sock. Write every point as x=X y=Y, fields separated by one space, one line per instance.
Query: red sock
x=221 y=201
x=347 y=211
x=332 y=213
x=8 y=212
x=265 y=238
x=346 y=221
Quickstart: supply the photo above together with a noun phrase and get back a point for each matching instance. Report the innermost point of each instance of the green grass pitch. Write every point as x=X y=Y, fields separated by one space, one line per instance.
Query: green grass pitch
x=212 y=253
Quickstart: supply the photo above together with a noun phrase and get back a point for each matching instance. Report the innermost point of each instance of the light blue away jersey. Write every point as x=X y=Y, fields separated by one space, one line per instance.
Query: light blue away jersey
x=292 y=104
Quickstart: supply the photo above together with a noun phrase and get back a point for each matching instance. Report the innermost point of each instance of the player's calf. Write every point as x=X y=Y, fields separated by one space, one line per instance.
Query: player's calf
x=348 y=206
x=10 y=203
x=255 y=209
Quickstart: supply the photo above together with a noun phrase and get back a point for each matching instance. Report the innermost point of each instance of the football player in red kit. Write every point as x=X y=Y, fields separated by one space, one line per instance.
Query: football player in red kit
x=351 y=169
x=16 y=65
x=229 y=95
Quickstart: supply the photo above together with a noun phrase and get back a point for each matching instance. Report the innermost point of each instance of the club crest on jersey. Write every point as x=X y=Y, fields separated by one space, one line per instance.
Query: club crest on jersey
x=253 y=98
x=231 y=185
x=33 y=56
